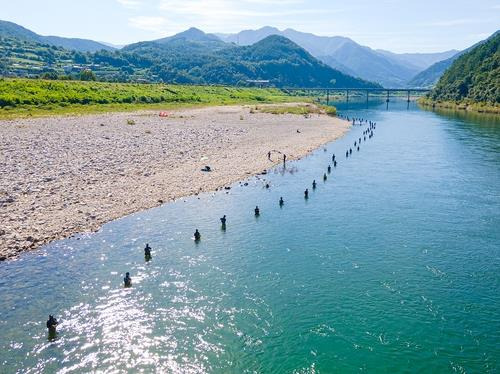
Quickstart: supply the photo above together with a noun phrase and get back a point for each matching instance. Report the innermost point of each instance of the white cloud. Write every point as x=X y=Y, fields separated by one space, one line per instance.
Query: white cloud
x=275 y=2
x=233 y=16
x=131 y=4
x=210 y=8
x=217 y=9
x=155 y=24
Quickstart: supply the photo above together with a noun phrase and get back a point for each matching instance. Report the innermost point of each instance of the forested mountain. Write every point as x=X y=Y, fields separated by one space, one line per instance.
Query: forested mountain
x=387 y=68
x=207 y=59
x=474 y=76
x=189 y=57
x=12 y=30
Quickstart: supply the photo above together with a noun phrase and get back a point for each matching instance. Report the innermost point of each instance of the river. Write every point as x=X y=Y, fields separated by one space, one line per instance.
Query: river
x=391 y=265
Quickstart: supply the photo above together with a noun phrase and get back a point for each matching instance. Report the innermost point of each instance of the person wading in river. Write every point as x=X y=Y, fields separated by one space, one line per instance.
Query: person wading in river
x=127 y=281
x=51 y=325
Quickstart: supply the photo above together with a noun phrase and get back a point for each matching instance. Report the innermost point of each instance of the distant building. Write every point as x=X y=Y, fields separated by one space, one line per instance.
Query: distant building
x=258 y=82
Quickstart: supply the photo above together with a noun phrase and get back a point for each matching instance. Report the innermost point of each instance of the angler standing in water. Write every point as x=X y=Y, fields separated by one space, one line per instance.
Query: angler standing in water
x=223 y=222
x=127 y=281
x=51 y=326
x=257 y=211
x=147 y=252
x=197 y=236
x=284 y=159
x=306 y=193
x=314 y=184
x=281 y=201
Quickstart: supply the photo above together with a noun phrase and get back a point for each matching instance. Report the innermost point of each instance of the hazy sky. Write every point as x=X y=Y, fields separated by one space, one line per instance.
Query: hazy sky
x=399 y=26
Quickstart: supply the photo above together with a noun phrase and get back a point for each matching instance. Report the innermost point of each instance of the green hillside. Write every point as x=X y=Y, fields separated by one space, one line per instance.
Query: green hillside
x=24 y=58
x=474 y=77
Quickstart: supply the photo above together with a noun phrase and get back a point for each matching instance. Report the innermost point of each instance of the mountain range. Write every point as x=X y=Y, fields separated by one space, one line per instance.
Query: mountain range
x=190 y=57
x=387 y=68
x=343 y=55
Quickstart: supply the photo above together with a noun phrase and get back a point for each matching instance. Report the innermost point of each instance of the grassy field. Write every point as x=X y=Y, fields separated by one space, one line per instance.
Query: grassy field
x=305 y=109
x=462 y=105
x=33 y=97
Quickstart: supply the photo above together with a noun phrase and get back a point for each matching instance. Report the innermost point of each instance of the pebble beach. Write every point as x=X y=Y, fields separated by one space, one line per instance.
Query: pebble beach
x=67 y=175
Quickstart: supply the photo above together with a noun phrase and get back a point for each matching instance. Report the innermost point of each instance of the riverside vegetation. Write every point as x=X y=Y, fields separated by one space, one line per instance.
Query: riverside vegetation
x=28 y=97
x=473 y=80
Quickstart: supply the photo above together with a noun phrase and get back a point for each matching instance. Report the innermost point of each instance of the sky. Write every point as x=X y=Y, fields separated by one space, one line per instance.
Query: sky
x=394 y=25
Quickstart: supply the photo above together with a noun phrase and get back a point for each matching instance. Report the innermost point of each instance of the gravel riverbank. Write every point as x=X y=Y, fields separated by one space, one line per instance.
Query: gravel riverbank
x=64 y=175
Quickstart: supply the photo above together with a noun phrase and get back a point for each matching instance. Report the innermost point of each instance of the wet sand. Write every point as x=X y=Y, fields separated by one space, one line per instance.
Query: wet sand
x=65 y=175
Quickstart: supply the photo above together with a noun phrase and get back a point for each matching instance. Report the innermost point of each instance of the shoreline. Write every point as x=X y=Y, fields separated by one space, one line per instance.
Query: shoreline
x=68 y=175
x=460 y=106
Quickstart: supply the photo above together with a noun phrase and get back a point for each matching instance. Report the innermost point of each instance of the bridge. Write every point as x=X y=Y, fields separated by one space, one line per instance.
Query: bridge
x=348 y=90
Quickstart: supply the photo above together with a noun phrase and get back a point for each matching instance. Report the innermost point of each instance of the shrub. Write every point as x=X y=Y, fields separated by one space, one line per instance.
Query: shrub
x=87 y=75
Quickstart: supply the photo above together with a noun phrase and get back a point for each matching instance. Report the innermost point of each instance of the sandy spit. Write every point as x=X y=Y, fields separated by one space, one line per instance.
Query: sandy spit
x=65 y=175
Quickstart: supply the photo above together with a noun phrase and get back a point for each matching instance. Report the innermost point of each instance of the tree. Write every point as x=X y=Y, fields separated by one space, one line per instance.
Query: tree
x=80 y=58
x=49 y=75
x=87 y=75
